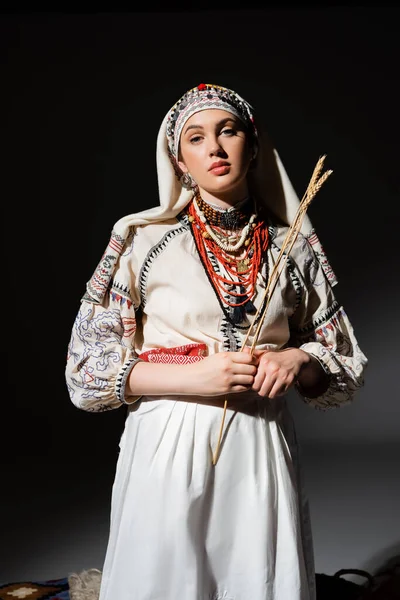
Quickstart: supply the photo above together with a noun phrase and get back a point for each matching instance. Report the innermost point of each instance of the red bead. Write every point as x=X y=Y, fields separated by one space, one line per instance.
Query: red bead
x=201 y=87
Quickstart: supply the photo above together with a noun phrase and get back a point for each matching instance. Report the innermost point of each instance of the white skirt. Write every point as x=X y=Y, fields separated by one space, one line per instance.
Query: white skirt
x=183 y=529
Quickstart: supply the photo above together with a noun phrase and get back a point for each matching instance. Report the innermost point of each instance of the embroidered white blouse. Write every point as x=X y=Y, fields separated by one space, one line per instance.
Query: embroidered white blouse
x=181 y=528
x=160 y=278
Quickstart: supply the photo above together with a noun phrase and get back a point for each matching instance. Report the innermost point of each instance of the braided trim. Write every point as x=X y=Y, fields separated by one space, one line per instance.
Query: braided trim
x=122 y=378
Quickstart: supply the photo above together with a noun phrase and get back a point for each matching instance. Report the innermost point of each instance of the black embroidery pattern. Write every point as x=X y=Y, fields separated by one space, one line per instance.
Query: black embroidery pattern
x=120 y=293
x=292 y=271
x=231 y=341
x=122 y=377
x=308 y=329
x=100 y=407
x=152 y=254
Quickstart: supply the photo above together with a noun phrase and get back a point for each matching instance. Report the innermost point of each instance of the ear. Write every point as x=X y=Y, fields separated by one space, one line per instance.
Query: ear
x=182 y=166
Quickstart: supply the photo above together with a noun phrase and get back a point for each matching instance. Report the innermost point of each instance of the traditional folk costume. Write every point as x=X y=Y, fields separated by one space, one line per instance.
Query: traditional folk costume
x=169 y=288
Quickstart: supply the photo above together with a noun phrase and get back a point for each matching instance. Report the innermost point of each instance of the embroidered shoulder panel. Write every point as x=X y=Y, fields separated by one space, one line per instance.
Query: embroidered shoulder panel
x=120 y=293
x=293 y=275
x=327 y=315
x=316 y=245
x=152 y=255
x=99 y=283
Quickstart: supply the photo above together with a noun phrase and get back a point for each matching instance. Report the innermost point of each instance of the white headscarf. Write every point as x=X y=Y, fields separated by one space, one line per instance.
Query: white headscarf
x=268 y=184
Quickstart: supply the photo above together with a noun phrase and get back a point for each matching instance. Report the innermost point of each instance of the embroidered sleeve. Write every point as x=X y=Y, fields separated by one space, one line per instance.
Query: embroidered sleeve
x=101 y=349
x=321 y=327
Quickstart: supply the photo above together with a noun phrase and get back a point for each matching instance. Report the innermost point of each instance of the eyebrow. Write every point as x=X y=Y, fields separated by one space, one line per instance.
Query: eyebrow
x=218 y=124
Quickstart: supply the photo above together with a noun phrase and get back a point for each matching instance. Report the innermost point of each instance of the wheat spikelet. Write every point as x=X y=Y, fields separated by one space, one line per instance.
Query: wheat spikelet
x=313 y=187
x=315 y=184
x=317 y=169
x=318 y=184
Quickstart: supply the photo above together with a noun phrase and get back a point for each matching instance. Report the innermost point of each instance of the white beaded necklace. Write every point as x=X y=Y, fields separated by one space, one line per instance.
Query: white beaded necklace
x=231 y=208
x=226 y=246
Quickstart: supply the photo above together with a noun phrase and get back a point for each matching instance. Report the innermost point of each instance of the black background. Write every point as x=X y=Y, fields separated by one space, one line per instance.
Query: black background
x=83 y=96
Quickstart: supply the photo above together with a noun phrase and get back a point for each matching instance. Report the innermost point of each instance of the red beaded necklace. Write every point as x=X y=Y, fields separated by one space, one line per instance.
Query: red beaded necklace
x=235 y=294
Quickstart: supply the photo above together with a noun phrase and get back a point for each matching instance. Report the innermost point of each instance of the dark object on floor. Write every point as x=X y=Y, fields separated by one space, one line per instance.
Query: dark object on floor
x=389 y=590
x=336 y=587
x=52 y=589
x=387 y=581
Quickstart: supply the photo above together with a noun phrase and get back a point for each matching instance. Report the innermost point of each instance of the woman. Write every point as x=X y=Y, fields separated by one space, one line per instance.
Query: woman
x=160 y=330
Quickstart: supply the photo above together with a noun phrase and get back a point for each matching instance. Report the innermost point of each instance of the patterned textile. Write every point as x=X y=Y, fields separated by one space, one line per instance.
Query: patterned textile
x=320 y=254
x=52 y=589
x=105 y=342
x=202 y=97
x=181 y=355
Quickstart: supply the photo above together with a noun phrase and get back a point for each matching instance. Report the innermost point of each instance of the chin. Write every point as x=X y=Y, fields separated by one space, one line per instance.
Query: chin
x=223 y=185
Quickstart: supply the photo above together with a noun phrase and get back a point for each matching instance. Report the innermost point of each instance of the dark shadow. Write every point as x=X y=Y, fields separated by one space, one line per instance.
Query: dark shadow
x=375 y=582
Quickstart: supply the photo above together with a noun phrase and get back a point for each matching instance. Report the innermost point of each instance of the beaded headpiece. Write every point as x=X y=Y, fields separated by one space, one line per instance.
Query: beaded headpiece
x=202 y=97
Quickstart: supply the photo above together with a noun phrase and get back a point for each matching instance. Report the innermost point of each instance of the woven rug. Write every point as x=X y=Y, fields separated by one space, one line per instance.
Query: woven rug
x=53 y=589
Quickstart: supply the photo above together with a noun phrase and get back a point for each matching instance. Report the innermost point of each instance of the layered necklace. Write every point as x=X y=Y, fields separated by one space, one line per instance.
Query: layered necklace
x=236 y=239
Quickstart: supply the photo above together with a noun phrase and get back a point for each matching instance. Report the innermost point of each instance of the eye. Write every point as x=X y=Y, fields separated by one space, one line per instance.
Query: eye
x=228 y=131
x=195 y=139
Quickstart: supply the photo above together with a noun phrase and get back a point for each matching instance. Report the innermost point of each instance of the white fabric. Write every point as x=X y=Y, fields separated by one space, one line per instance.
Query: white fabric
x=269 y=181
x=180 y=528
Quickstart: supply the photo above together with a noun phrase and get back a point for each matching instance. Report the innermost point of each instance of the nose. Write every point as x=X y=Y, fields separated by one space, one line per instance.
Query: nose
x=217 y=150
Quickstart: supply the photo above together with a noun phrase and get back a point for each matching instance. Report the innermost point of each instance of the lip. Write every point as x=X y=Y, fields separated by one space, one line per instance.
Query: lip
x=220 y=168
x=218 y=164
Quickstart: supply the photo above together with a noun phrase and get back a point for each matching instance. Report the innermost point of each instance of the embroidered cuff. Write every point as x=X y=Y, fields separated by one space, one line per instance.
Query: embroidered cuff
x=122 y=378
x=337 y=393
x=302 y=391
x=325 y=358
x=324 y=366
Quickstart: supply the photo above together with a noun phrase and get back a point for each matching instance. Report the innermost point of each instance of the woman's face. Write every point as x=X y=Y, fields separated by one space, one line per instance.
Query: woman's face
x=215 y=150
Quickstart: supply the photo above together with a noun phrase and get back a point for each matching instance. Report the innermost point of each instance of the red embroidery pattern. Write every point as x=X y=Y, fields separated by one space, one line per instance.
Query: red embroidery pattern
x=129 y=326
x=320 y=254
x=181 y=355
x=119 y=298
x=100 y=280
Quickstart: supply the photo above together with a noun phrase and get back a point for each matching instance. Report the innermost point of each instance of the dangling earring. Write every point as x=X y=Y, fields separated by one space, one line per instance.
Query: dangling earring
x=187 y=182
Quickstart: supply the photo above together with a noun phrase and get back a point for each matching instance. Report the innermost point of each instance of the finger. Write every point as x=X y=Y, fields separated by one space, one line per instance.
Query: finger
x=255 y=352
x=239 y=388
x=243 y=369
x=282 y=384
x=263 y=383
x=246 y=380
x=260 y=352
x=264 y=377
x=258 y=381
x=278 y=389
x=244 y=357
x=266 y=387
x=271 y=376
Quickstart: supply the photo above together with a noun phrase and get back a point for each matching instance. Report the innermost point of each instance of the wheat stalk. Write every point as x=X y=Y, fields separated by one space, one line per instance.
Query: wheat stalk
x=316 y=182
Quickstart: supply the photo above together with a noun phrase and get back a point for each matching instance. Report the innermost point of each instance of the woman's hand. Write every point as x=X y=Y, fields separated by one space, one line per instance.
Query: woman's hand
x=277 y=371
x=223 y=373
